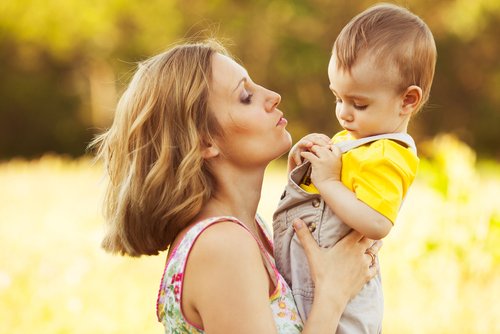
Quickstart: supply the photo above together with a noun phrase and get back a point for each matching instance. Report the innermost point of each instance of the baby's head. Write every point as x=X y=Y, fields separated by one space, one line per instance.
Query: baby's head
x=392 y=45
x=396 y=39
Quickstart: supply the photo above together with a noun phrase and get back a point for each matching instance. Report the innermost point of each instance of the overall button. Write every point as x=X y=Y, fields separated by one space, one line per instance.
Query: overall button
x=315 y=202
x=312 y=227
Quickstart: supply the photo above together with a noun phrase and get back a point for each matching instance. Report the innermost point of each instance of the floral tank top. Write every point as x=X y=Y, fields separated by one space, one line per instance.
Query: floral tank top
x=168 y=306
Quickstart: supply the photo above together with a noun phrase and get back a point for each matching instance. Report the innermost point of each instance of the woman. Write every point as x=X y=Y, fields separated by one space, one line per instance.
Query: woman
x=186 y=155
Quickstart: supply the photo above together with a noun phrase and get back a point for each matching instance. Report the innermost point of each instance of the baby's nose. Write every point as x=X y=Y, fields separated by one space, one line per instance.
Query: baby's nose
x=345 y=115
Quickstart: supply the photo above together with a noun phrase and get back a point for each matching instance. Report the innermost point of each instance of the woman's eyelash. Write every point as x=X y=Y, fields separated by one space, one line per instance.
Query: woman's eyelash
x=247 y=98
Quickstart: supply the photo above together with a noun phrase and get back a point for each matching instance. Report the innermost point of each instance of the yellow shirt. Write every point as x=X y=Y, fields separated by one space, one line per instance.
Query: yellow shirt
x=379 y=173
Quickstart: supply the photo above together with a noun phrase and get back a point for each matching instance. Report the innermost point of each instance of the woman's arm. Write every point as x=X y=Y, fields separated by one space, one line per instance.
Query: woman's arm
x=345 y=266
x=226 y=286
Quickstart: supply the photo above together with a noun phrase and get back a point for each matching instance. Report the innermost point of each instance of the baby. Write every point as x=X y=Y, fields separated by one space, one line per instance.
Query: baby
x=380 y=72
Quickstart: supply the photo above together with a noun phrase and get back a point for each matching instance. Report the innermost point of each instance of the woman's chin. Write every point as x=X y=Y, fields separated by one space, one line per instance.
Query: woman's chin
x=286 y=147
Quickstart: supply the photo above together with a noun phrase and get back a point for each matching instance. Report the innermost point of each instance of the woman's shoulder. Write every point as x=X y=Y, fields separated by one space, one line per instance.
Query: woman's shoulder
x=225 y=244
x=225 y=261
x=212 y=253
x=200 y=229
x=214 y=238
x=216 y=234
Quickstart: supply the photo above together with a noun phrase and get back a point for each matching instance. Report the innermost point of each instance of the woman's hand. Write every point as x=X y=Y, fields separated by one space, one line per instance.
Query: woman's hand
x=326 y=162
x=340 y=272
x=304 y=145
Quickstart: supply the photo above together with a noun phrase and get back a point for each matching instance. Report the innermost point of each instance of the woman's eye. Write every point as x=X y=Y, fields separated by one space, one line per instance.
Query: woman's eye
x=246 y=98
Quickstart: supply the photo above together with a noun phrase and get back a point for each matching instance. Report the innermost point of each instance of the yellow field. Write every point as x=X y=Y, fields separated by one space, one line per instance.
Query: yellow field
x=440 y=264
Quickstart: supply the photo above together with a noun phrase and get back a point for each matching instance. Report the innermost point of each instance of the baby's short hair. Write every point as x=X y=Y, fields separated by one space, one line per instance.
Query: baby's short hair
x=393 y=36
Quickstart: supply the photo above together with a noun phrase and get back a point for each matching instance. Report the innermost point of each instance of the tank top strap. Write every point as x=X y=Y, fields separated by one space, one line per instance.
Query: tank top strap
x=266 y=257
x=265 y=230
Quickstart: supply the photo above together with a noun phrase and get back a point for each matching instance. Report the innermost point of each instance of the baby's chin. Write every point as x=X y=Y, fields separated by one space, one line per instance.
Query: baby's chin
x=353 y=133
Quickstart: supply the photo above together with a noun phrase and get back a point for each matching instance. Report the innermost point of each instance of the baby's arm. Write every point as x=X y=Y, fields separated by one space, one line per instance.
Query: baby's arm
x=325 y=175
x=304 y=145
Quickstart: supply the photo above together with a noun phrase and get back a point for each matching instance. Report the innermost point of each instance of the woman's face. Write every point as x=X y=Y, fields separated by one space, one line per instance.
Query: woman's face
x=253 y=126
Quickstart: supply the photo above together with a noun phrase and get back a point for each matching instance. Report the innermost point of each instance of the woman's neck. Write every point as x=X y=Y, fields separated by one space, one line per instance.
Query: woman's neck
x=237 y=194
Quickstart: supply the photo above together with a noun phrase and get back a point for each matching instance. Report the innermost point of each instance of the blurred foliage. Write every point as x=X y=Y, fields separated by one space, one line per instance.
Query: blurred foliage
x=63 y=63
x=440 y=263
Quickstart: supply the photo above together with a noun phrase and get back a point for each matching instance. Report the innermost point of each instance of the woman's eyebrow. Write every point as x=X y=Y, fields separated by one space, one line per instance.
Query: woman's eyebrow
x=239 y=83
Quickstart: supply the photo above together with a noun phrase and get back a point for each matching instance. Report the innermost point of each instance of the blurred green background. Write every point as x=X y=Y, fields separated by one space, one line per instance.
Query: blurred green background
x=63 y=65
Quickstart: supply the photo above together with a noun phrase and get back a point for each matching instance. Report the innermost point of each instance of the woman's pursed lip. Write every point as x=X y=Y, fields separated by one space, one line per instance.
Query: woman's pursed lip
x=282 y=121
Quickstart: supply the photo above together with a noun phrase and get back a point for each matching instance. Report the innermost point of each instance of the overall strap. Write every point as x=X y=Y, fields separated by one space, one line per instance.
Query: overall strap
x=402 y=138
x=347 y=145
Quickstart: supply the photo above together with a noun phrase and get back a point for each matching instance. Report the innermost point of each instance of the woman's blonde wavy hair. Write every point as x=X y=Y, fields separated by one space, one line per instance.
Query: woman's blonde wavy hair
x=158 y=180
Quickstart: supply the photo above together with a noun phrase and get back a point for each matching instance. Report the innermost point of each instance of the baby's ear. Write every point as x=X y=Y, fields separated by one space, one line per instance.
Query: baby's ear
x=412 y=97
x=209 y=150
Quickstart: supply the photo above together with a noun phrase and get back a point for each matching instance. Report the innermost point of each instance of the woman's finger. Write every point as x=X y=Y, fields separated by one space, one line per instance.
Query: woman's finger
x=373 y=271
x=352 y=237
x=375 y=247
x=306 y=239
x=366 y=243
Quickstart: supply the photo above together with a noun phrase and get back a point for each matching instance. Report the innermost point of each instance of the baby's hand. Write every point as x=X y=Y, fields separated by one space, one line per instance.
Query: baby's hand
x=326 y=162
x=304 y=145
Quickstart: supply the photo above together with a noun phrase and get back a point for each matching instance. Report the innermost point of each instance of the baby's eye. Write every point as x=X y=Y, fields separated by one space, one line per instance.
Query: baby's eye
x=337 y=100
x=360 y=107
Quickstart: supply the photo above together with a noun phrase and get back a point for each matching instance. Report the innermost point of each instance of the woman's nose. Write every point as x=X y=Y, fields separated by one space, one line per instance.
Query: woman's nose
x=272 y=101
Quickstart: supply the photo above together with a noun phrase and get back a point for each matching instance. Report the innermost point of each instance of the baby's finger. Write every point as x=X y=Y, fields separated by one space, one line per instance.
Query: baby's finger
x=335 y=150
x=321 y=151
x=305 y=143
x=297 y=159
x=320 y=139
x=308 y=156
